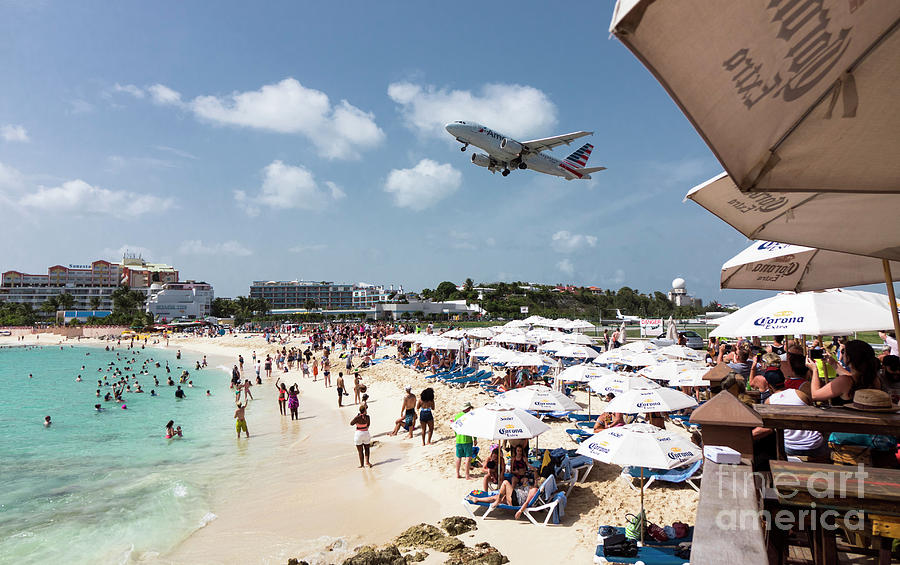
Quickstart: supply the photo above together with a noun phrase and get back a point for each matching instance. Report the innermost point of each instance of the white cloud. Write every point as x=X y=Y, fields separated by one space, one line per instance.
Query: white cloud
x=338 y=131
x=14 y=133
x=174 y=151
x=11 y=180
x=565 y=241
x=461 y=240
x=518 y=110
x=289 y=187
x=79 y=106
x=423 y=185
x=307 y=247
x=226 y=248
x=566 y=266
x=162 y=94
x=77 y=197
x=129 y=89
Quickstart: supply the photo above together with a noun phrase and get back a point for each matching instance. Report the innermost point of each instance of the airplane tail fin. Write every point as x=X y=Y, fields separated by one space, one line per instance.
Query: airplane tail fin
x=579 y=158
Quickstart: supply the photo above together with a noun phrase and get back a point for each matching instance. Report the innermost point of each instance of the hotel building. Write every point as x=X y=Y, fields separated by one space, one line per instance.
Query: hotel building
x=98 y=279
x=326 y=295
x=188 y=299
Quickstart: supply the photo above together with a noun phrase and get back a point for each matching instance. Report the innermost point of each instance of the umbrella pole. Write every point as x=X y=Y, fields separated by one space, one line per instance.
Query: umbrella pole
x=889 y=282
x=643 y=521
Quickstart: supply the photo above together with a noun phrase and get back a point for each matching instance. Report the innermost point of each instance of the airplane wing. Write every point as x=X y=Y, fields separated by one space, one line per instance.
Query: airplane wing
x=538 y=145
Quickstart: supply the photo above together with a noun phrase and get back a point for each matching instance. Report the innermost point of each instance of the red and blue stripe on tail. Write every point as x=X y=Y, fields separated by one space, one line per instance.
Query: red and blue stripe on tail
x=578 y=159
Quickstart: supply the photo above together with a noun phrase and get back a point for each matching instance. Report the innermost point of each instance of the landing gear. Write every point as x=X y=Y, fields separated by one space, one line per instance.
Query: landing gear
x=463 y=148
x=523 y=166
x=505 y=172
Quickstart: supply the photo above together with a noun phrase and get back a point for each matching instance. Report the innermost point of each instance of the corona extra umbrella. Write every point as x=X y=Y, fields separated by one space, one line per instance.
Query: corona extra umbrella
x=620 y=383
x=642 y=445
x=642 y=401
x=538 y=398
x=496 y=421
x=790 y=96
x=681 y=352
x=829 y=312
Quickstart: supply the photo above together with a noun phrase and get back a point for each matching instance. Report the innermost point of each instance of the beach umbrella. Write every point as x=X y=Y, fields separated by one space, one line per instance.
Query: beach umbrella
x=790 y=96
x=767 y=265
x=487 y=350
x=809 y=218
x=613 y=357
x=519 y=339
x=502 y=356
x=577 y=351
x=579 y=325
x=538 y=398
x=552 y=346
x=579 y=339
x=681 y=352
x=534 y=319
x=584 y=372
x=639 y=347
x=670 y=369
x=528 y=360
x=620 y=383
x=622 y=334
x=516 y=324
x=454 y=334
x=829 y=312
x=480 y=333
x=496 y=421
x=642 y=401
x=671 y=330
x=643 y=445
x=691 y=377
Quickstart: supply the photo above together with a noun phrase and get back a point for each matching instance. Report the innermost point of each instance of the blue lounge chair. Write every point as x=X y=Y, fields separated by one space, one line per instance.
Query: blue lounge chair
x=677 y=475
x=546 y=499
x=578 y=435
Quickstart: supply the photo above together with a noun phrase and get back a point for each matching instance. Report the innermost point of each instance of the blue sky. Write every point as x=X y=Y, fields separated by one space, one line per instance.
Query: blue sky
x=243 y=141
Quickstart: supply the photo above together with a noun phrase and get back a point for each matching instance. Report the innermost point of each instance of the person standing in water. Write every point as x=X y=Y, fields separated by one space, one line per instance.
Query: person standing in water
x=282 y=396
x=426 y=417
x=362 y=438
x=294 y=401
x=240 y=423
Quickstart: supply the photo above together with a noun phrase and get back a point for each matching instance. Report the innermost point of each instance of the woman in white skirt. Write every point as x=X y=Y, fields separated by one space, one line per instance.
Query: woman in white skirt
x=362 y=438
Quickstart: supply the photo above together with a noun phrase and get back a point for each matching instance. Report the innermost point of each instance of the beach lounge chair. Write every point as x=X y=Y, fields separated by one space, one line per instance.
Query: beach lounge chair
x=578 y=435
x=546 y=499
x=677 y=475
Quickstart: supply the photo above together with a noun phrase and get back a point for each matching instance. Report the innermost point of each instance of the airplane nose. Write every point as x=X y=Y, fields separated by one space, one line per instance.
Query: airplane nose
x=451 y=128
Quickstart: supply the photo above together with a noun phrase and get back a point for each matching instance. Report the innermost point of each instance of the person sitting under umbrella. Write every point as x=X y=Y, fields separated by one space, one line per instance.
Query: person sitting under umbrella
x=796 y=442
x=519 y=495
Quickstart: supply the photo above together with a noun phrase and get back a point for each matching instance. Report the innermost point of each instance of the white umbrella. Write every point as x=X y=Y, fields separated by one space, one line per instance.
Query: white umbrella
x=809 y=218
x=643 y=445
x=534 y=319
x=495 y=421
x=519 y=339
x=501 y=356
x=543 y=334
x=529 y=360
x=577 y=352
x=620 y=383
x=692 y=377
x=671 y=330
x=670 y=369
x=480 y=333
x=642 y=359
x=681 y=352
x=639 y=347
x=622 y=334
x=790 y=96
x=538 y=398
x=516 y=324
x=552 y=346
x=454 y=334
x=583 y=373
x=767 y=265
x=394 y=337
x=579 y=325
x=828 y=312
x=487 y=350
x=580 y=339
x=409 y=338
x=642 y=401
x=613 y=357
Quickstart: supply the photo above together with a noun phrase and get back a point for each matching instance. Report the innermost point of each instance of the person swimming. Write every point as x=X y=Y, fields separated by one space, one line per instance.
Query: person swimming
x=170 y=429
x=98 y=408
x=47 y=421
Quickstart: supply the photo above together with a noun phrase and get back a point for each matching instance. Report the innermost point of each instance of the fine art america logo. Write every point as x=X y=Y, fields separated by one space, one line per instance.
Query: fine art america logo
x=778 y=320
x=813 y=46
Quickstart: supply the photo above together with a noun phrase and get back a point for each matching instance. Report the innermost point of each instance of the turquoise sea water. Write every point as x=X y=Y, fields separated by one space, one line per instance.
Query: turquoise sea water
x=107 y=487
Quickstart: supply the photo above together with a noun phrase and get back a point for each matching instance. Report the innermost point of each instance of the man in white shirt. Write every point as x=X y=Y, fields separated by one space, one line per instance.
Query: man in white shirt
x=890 y=340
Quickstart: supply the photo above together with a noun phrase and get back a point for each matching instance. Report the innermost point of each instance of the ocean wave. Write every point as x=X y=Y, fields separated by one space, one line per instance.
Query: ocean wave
x=206 y=519
x=180 y=490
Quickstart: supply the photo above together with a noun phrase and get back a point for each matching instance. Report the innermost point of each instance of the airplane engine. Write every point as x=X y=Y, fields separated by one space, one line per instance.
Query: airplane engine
x=510 y=146
x=481 y=159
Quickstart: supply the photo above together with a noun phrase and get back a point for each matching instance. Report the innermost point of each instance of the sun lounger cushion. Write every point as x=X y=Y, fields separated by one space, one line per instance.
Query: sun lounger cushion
x=649 y=555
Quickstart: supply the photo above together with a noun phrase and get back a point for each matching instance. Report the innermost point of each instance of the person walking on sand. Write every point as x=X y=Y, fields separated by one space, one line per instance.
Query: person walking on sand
x=407 y=414
x=464 y=444
x=240 y=424
x=362 y=438
x=426 y=417
x=315 y=369
x=340 y=389
x=357 y=386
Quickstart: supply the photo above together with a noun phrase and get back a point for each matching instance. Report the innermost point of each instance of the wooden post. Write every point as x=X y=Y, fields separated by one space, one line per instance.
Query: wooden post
x=889 y=282
x=727 y=421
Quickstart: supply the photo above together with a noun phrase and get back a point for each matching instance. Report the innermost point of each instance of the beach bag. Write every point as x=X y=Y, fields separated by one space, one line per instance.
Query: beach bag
x=627 y=548
x=683 y=551
x=634 y=524
x=681 y=529
x=657 y=533
x=850 y=454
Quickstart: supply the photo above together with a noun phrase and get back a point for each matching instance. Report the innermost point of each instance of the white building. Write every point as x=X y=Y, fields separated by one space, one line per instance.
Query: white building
x=679 y=295
x=187 y=299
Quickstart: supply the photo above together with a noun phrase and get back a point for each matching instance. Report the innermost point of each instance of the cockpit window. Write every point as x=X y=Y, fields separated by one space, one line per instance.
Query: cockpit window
x=458 y=122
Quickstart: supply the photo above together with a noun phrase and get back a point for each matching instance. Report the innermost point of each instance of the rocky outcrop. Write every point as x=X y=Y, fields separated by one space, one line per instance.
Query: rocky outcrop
x=368 y=555
x=456 y=525
x=482 y=554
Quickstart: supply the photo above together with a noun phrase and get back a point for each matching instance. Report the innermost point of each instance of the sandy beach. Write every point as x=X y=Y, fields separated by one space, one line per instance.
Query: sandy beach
x=307 y=499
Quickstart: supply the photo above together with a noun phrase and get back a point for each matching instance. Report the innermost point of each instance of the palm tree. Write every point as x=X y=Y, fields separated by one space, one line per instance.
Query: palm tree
x=95 y=302
x=51 y=305
x=65 y=301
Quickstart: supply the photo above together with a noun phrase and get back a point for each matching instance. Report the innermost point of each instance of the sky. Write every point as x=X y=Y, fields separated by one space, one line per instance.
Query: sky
x=304 y=140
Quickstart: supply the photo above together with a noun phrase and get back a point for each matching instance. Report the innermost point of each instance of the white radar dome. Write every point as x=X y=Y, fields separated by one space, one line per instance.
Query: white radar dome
x=678 y=283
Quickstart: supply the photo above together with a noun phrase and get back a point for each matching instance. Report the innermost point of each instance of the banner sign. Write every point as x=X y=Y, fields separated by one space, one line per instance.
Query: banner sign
x=523 y=309
x=651 y=327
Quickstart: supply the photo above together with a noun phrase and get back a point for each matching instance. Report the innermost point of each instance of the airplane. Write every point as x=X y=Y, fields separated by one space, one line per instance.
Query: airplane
x=505 y=153
x=621 y=316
